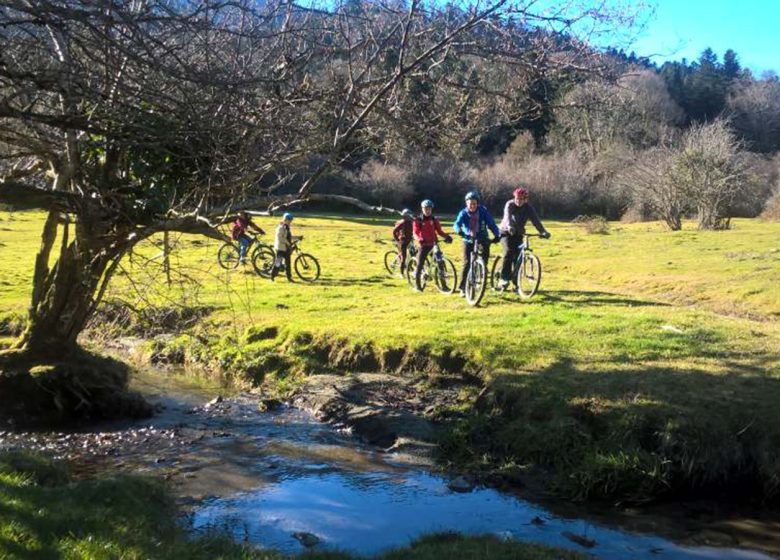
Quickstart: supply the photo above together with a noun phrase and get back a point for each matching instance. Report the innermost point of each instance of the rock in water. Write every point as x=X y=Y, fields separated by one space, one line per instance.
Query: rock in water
x=581 y=540
x=460 y=484
x=216 y=400
x=307 y=539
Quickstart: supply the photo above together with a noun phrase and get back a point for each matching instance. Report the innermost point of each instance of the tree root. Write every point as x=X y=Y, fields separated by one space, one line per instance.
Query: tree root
x=81 y=387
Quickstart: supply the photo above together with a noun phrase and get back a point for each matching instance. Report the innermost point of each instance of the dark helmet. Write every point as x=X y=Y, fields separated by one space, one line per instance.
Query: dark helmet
x=472 y=195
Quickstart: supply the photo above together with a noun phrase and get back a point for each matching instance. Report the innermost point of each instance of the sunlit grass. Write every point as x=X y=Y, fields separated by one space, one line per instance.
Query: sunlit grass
x=654 y=343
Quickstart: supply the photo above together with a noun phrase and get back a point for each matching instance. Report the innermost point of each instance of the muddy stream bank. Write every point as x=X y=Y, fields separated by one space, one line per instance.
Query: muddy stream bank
x=284 y=480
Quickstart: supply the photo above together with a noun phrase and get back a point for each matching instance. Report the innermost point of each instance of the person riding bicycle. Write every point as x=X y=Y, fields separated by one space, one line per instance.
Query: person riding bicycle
x=242 y=223
x=403 y=234
x=426 y=226
x=283 y=244
x=472 y=224
x=517 y=212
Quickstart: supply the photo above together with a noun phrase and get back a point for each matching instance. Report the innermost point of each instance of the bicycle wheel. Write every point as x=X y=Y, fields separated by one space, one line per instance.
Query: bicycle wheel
x=495 y=271
x=306 y=267
x=476 y=282
x=258 y=246
x=529 y=274
x=263 y=260
x=445 y=276
x=228 y=256
x=392 y=262
x=411 y=268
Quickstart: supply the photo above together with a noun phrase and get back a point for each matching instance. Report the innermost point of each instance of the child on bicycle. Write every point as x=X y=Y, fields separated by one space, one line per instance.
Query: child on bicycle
x=426 y=226
x=283 y=244
x=472 y=225
x=517 y=212
x=403 y=233
x=238 y=233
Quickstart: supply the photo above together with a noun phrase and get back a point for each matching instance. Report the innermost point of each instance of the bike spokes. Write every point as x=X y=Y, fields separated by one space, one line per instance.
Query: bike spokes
x=529 y=275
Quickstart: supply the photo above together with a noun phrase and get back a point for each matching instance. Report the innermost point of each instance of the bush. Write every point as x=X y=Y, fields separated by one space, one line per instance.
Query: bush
x=593 y=224
x=384 y=183
x=772 y=208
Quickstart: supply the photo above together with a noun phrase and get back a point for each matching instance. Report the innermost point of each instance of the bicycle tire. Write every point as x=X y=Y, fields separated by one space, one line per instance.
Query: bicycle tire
x=476 y=282
x=411 y=268
x=495 y=271
x=529 y=275
x=392 y=262
x=259 y=246
x=449 y=283
x=228 y=256
x=307 y=267
x=263 y=260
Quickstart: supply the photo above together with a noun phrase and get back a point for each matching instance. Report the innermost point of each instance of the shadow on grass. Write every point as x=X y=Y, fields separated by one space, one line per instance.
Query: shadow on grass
x=367 y=281
x=632 y=432
x=594 y=298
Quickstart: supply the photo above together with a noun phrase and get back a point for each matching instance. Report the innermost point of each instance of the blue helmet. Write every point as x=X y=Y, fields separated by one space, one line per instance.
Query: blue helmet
x=427 y=203
x=472 y=195
x=287 y=216
x=406 y=213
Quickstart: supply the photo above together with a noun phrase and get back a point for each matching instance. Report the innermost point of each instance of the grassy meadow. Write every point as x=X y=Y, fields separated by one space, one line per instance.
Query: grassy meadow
x=649 y=363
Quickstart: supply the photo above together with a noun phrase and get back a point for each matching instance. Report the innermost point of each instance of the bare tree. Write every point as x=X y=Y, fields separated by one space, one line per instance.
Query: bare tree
x=634 y=110
x=710 y=169
x=125 y=119
x=754 y=107
x=646 y=176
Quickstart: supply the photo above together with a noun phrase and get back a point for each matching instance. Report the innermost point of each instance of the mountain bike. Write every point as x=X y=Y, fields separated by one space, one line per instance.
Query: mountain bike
x=436 y=267
x=228 y=255
x=393 y=259
x=306 y=266
x=476 y=277
x=526 y=270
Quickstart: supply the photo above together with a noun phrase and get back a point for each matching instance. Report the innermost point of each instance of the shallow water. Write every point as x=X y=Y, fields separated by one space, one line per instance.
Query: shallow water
x=322 y=482
x=264 y=476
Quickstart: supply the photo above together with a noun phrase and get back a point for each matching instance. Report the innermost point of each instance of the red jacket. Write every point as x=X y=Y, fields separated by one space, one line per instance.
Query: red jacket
x=240 y=226
x=426 y=228
x=403 y=230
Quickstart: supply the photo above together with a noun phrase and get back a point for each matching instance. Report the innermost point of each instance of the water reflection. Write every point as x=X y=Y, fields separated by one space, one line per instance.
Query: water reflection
x=357 y=501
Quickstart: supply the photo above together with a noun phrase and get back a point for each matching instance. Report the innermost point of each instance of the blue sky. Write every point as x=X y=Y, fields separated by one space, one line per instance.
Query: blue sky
x=684 y=28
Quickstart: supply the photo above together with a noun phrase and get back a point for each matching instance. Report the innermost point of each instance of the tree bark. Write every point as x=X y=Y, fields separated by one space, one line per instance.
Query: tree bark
x=64 y=294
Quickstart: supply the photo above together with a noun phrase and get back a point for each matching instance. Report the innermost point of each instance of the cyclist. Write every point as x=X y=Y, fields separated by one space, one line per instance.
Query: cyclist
x=283 y=246
x=238 y=233
x=517 y=212
x=472 y=225
x=403 y=233
x=426 y=226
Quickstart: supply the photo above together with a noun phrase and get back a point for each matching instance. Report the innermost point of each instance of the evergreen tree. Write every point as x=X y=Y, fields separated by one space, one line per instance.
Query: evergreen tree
x=731 y=67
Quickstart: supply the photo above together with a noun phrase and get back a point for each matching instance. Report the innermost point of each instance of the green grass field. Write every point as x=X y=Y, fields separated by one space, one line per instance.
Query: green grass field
x=648 y=363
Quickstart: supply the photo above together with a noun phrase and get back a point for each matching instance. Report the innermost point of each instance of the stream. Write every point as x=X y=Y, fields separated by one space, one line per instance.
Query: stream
x=283 y=480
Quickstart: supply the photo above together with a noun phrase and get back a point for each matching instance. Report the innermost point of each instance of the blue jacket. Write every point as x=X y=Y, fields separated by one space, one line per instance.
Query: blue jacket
x=484 y=221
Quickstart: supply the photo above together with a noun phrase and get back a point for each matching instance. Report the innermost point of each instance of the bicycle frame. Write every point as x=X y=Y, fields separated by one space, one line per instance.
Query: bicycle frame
x=521 y=250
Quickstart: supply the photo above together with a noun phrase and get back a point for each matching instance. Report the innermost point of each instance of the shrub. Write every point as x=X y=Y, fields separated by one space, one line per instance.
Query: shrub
x=593 y=224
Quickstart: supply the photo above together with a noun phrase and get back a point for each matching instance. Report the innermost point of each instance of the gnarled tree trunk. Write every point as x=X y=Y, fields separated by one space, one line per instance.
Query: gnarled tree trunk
x=66 y=292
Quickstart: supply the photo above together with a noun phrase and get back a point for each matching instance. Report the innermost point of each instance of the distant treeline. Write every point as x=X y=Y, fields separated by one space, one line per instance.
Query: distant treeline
x=614 y=144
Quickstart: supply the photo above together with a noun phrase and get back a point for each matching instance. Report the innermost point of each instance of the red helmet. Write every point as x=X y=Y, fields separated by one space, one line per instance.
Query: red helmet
x=520 y=192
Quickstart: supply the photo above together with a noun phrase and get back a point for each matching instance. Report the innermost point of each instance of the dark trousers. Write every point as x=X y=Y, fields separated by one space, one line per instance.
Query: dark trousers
x=484 y=249
x=509 y=249
x=285 y=255
x=403 y=250
x=422 y=254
